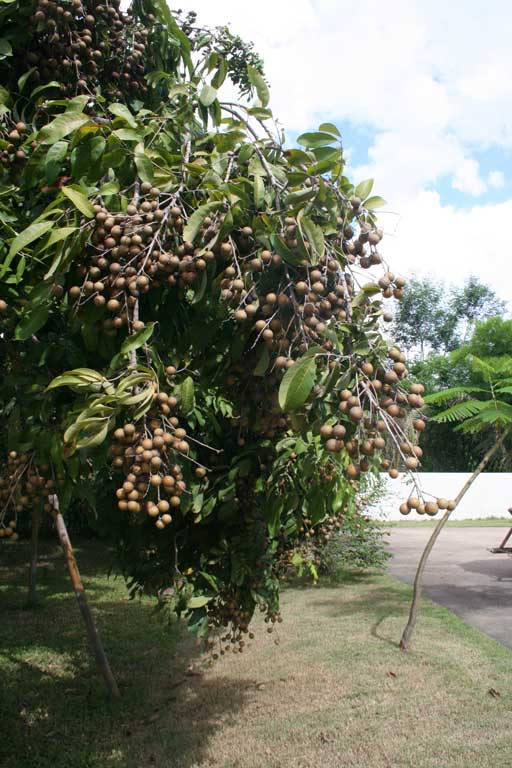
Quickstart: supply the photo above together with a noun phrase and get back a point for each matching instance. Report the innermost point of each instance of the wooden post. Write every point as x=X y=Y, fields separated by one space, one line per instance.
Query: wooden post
x=92 y=632
x=34 y=542
x=418 y=579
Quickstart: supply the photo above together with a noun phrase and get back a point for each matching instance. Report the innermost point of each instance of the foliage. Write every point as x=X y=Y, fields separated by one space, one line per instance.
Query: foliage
x=492 y=338
x=187 y=344
x=475 y=407
x=484 y=411
x=431 y=318
x=359 y=544
x=447 y=449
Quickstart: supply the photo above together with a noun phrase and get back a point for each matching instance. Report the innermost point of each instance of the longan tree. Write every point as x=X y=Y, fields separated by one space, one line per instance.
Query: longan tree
x=191 y=340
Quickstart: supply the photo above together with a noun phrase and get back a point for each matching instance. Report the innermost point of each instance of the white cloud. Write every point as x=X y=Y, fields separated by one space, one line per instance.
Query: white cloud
x=496 y=179
x=431 y=83
x=429 y=238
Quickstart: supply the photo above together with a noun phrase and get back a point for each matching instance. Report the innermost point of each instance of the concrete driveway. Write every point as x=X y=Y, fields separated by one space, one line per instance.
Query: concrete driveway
x=461 y=574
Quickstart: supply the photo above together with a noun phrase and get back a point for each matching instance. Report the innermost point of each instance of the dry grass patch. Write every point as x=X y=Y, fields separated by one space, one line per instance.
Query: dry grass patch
x=336 y=692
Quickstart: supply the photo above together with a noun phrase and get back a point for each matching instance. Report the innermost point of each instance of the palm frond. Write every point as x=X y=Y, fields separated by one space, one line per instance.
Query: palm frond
x=443 y=395
x=504 y=390
x=462 y=410
x=496 y=414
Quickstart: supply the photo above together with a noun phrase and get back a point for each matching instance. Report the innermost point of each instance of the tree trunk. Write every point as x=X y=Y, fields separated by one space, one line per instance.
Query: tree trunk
x=418 y=579
x=92 y=632
x=32 y=573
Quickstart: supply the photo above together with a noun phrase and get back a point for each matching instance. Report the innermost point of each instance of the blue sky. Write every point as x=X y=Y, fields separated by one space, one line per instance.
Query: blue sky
x=422 y=93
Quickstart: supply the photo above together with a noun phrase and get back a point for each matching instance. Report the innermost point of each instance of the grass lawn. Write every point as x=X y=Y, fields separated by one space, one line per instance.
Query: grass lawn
x=336 y=692
x=489 y=522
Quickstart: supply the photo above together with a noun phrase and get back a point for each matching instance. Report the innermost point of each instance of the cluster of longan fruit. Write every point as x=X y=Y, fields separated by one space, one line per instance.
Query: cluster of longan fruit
x=81 y=44
x=226 y=612
x=147 y=453
x=376 y=406
x=258 y=401
x=17 y=149
x=22 y=488
x=125 y=259
x=362 y=244
x=306 y=300
x=430 y=508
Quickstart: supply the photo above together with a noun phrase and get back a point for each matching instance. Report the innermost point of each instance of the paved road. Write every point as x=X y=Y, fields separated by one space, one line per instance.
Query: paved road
x=461 y=574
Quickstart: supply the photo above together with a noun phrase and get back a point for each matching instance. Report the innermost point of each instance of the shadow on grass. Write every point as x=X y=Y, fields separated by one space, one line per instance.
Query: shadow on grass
x=54 y=712
x=378 y=604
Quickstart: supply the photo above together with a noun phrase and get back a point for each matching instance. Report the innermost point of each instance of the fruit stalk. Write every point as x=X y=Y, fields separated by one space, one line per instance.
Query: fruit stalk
x=418 y=579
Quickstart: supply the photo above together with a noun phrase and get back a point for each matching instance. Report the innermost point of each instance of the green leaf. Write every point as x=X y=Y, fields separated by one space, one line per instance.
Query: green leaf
x=143 y=164
x=257 y=80
x=5 y=49
x=122 y=111
x=329 y=128
x=221 y=73
x=198 y=602
x=95 y=439
x=207 y=95
x=187 y=395
x=138 y=339
x=25 y=76
x=315 y=236
x=32 y=322
x=28 y=236
x=282 y=249
x=40 y=88
x=261 y=367
x=53 y=160
x=273 y=512
x=300 y=196
x=297 y=383
x=443 y=395
x=56 y=237
x=315 y=139
x=462 y=410
x=61 y=126
x=79 y=200
x=81 y=378
x=128 y=134
x=195 y=221
x=110 y=188
x=364 y=188
x=374 y=202
x=259 y=193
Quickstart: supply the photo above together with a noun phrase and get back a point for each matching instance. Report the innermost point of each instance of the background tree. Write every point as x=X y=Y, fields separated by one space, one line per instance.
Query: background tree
x=433 y=318
x=187 y=342
x=446 y=448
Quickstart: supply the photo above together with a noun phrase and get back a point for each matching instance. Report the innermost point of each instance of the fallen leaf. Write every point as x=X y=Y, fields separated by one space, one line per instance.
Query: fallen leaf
x=391 y=674
x=494 y=693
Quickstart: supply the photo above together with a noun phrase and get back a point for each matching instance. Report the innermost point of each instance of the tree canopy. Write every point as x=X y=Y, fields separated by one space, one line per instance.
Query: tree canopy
x=189 y=341
x=432 y=317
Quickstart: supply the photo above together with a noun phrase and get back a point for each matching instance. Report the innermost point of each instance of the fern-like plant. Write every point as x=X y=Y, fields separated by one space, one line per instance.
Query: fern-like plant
x=479 y=407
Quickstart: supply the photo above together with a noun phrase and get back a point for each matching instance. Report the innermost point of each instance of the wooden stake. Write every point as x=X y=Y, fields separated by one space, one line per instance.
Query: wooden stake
x=92 y=632
x=34 y=543
x=418 y=579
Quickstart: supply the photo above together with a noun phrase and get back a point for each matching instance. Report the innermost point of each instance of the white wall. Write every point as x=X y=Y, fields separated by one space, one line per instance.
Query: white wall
x=489 y=496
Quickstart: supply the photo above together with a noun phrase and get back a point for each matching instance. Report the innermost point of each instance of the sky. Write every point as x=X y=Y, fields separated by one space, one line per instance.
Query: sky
x=421 y=91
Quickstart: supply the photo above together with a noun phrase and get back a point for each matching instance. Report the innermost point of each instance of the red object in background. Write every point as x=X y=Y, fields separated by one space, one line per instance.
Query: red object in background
x=501 y=547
